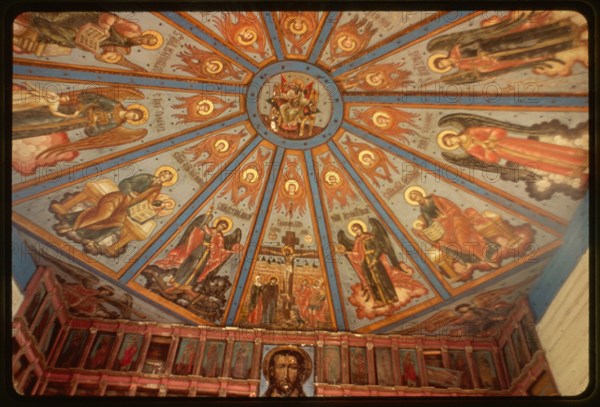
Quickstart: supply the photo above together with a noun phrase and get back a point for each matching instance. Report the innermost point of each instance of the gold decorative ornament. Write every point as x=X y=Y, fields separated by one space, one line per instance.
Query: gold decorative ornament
x=333 y=174
x=363 y=155
x=159 y=40
x=387 y=120
x=214 y=66
x=293 y=23
x=226 y=220
x=432 y=63
x=442 y=142
x=221 y=145
x=341 y=43
x=355 y=222
x=205 y=107
x=145 y=114
x=250 y=34
x=250 y=171
x=411 y=189
x=171 y=170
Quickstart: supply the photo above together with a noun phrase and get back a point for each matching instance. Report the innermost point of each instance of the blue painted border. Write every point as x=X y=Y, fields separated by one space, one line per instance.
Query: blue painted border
x=400 y=42
x=453 y=300
x=194 y=29
x=330 y=18
x=468 y=99
x=85 y=172
x=254 y=243
x=270 y=23
x=445 y=175
x=197 y=202
x=325 y=81
x=325 y=242
x=576 y=242
x=59 y=253
x=409 y=249
x=23 y=266
x=64 y=72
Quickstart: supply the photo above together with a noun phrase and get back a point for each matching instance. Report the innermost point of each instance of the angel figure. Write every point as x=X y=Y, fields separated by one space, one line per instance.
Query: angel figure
x=87 y=298
x=537 y=40
x=202 y=249
x=370 y=161
x=27 y=97
x=372 y=257
x=247 y=183
x=212 y=152
x=508 y=148
x=99 y=112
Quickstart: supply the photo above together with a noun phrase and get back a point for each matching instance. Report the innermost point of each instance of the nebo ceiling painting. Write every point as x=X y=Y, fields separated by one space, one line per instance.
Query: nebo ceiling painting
x=338 y=171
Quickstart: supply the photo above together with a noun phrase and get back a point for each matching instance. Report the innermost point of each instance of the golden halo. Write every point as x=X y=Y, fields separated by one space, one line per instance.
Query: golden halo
x=371 y=82
x=287 y=250
x=144 y=111
x=214 y=62
x=252 y=39
x=418 y=224
x=330 y=174
x=431 y=63
x=353 y=222
x=379 y=114
x=295 y=31
x=205 y=102
x=307 y=371
x=222 y=142
x=340 y=43
x=251 y=171
x=159 y=40
x=287 y=184
x=171 y=170
x=363 y=154
x=226 y=219
x=113 y=59
x=308 y=239
x=409 y=190
x=168 y=204
x=440 y=140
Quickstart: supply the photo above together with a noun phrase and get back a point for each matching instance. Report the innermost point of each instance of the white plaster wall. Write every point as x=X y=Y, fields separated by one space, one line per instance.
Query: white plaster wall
x=17 y=297
x=564 y=332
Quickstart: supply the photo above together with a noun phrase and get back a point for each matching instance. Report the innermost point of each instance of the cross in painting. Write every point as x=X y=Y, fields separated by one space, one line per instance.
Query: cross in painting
x=289 y=254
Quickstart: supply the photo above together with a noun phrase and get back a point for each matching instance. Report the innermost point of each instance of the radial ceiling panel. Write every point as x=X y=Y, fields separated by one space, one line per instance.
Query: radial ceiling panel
x=300 y=170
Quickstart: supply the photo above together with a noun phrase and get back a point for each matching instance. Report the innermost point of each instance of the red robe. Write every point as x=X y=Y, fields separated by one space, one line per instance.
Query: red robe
x=410 y=375
x=486 y=64
x=217 y=253
x=128 y=356
x=491 y=144
x=459 y=233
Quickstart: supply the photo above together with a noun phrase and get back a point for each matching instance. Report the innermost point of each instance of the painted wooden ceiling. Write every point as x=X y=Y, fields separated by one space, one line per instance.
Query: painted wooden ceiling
x=352 y=171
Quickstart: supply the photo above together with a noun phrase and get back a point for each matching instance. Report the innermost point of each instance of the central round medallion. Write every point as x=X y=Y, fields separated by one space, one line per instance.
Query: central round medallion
x=294 y=104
